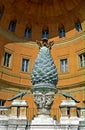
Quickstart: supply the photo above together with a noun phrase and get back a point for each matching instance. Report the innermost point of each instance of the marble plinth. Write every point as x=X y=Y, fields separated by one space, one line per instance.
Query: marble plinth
x=43 y=122
x=18 y=109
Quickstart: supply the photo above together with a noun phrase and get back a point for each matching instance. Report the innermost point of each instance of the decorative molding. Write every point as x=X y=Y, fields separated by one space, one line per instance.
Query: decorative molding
x=72 y=76
x=71 y=40
x=71 y=86
x=43 y=101
x=26 y=77
x=14 y=75
x=10 y=36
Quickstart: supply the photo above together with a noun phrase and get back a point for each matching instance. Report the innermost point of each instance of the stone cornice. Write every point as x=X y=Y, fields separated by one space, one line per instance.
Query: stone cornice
x=27 y=78
x=14 y=75
x=71 y=76
x=71 y=40
x=72 y=86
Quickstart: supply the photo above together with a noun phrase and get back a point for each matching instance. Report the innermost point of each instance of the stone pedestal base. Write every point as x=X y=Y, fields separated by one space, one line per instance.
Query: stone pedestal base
x=22 y=124
x=73 y=127
x=64 y=123
x=3 y=124
x=18 y=109
x=17 y=124
x=12 y=124
x=43 y=122
x=74 y=120
x=64 y=120
x=82 y=125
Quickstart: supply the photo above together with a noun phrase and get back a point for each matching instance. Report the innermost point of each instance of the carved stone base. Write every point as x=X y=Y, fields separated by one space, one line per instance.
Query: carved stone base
x=43 y=101
x=18 y=109
x=43 y=122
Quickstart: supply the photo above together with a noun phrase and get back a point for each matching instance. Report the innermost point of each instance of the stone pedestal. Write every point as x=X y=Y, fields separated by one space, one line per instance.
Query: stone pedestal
x=17 y=124
x=22 y=124
x=23 y=113
x=82 y=114
x=73 y=111
x=82 y=125
x=13 y=113
x=64 y=107
x=3 y=124
x=82 y=118
x=69 y=115
x=43 y=101
x=73 y=127
x=74 y=120
x=64 y=127
x=4 y=115
x=12 y=124
x=17 y=119
x=43 y=122
x=18 y=109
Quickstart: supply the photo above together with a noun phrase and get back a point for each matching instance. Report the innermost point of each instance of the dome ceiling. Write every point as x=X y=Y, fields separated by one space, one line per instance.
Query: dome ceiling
x=44 y=12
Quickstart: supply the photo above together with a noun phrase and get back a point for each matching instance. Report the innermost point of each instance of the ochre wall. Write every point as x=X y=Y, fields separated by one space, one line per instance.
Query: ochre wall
x=30 y=51
x=68 y=47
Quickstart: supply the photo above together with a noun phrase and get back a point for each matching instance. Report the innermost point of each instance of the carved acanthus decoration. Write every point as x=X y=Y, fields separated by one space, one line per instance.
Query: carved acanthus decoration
x=43 y=101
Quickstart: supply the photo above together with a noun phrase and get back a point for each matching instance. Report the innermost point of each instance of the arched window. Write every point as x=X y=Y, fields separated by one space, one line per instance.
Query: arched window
x=1 y=14
x=78 y=26
x=1 y=11
x=27 y=32
x=61 y=32
x=2 y=102
x=45 y=33
x=12 y=26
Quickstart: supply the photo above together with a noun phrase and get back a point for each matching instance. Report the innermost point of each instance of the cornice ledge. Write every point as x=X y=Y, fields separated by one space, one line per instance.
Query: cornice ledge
x=70 y=40
x=14 y=75
x=72 y=76
x=71 y=86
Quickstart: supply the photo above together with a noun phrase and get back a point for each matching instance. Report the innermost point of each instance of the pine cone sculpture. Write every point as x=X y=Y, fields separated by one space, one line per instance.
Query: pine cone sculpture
x=44 y=73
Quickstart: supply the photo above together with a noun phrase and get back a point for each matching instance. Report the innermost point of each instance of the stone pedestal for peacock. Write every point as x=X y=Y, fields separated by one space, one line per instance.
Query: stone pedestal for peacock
x=44 y=78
